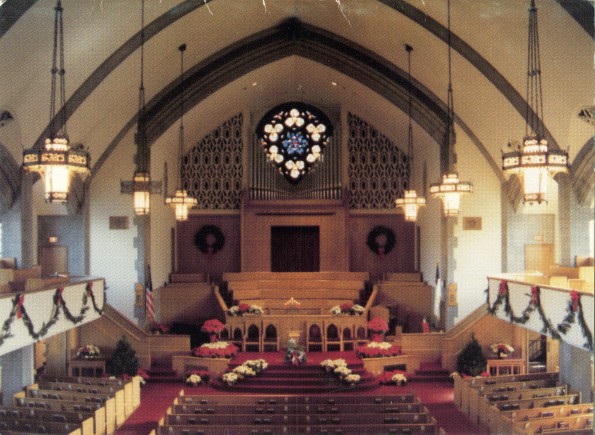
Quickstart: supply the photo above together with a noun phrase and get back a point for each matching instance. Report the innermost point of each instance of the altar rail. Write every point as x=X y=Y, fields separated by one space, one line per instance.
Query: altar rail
x=556 y=305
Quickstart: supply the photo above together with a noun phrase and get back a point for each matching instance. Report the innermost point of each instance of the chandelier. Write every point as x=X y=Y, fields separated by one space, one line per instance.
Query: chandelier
x=450 y=188
x=534 y=162
x=55 y=160
x=410 y=203
x=180 y=201
x=141 y=185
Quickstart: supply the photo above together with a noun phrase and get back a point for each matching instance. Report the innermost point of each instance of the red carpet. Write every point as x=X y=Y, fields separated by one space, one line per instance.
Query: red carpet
x=437 y=396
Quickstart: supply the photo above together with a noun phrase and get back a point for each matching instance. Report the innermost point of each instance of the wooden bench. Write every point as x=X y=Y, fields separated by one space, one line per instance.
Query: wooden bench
x=86 y=397
x=83 y=421
x=21 y=426
x=509 y=418
x=104 y=413
x=477 y=414
x=463 y=386
x=555 y=424
x=492 y=416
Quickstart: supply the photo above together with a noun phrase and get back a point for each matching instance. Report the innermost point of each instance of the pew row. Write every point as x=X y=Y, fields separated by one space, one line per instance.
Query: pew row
x=507 y=420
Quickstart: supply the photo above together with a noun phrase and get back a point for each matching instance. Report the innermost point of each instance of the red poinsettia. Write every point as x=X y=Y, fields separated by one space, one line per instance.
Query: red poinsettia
x=244 y=308
x=378 y=325
x=212 y=326
x=346 y=307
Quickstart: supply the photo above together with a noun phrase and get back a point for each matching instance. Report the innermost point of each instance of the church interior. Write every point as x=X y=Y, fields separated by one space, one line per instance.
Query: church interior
x=297 y=216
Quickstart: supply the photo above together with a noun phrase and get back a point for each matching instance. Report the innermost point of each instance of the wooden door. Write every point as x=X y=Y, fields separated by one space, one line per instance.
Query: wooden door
x=54 y=259
x=295 y=249
x=539 y=257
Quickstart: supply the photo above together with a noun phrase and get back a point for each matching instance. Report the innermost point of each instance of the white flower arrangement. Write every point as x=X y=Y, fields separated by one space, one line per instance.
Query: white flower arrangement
x=244 y=370
x=193 y=380
x=352 y=378
x=257 y=365
x=88 y=351
x=215 y=345
x=380 y=345
x=399 y=379
x=336 y=310
x=230 y=378
x=342 y=371
x=331 y=364
x=502 y=349
x=358 y=310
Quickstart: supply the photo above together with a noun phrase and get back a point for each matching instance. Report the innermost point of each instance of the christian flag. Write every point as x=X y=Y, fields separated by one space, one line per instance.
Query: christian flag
x=149 y=306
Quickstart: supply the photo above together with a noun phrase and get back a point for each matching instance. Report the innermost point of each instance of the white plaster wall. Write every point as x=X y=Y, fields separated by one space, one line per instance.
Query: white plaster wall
x=477 y=253
x=113 y=252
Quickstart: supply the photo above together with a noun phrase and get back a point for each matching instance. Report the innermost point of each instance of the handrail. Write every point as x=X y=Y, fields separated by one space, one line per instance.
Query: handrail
x=122 y=321
x=371 y=299
x=219 y=298
x=510 y=278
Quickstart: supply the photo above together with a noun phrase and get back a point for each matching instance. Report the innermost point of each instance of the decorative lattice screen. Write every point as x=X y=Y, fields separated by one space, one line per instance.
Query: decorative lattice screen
x=212 y=169
x=378 y=170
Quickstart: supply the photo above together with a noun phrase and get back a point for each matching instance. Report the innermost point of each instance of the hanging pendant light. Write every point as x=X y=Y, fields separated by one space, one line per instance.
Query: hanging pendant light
x=534 y=162
x=180 y=201
x=450 y=188
x=410 y=203
x=141 y=187
x=56 y=161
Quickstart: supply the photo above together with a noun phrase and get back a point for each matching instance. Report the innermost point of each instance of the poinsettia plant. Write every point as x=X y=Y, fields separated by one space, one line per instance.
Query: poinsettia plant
x=212 y=326
x=219 y=349
x=87 y=351
x=502 y=349
x=378 y=325
x=377 y=350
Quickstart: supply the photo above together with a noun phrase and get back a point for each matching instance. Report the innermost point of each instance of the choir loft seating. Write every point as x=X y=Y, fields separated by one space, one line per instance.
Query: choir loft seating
x=296 y=305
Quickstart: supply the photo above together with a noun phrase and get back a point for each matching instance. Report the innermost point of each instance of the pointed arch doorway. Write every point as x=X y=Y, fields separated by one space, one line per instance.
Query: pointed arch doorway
x=295 y=249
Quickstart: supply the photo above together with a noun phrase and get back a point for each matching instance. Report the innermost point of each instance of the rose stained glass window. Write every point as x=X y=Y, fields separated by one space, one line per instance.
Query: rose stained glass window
x=294 y=136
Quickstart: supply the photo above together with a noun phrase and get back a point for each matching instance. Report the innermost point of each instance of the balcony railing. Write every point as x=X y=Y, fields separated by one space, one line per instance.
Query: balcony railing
x=29 y=316
x=564 y=314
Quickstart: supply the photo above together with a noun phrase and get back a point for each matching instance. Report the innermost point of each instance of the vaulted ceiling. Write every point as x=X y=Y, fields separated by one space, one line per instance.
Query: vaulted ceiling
x=254 y=54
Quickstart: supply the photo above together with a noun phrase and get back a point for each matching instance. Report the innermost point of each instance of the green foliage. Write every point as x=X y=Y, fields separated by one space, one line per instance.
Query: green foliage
x=471 y=360
x=123 y=360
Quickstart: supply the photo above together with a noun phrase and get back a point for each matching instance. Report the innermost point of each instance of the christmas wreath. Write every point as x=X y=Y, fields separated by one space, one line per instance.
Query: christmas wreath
x=209 y=239
x=381 y=240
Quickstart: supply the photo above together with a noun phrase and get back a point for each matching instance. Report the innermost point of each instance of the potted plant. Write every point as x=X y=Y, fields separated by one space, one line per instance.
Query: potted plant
x=213 y=327
x=377 y=327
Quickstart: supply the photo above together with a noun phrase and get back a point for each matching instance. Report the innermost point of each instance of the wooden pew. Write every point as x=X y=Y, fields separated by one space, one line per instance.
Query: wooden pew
x=492 y=416
x=509 y=418
x=33 y=390
x=131 y=389
x=464 y=386
x=84 y=421
x=20 y=426
x=571 y=423
x=104 y=413
x=477 y=414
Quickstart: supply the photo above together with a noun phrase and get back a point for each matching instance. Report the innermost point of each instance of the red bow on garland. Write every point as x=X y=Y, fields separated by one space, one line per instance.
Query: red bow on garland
x=534 y=294
x=503 y=288
x=574 y=297
x=20 y=302
x=59 y=299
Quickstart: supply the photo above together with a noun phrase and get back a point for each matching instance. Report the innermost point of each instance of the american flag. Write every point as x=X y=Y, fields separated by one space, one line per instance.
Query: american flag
x=149 y=307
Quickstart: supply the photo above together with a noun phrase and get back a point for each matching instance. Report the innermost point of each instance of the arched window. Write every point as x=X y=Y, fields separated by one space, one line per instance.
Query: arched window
x=294 y=136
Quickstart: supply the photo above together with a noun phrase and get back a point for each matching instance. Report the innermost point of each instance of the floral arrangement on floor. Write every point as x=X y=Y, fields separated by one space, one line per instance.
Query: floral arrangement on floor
x=347 y=308
x=376 y=349
x=295 y=353
x=196 y=377
x=218 y=349
x=157 y=328
x=397 y=377
x=88 y=351
x=502 y=350
x=143 y=375
x=339 y=368
x=242 y=309
x=248 y=368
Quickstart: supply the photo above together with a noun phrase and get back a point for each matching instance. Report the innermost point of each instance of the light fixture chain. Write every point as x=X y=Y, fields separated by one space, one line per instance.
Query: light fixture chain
x=409 y=49
x=182 y=48
x=450 y=102
x=534 y=87
x=142 y=149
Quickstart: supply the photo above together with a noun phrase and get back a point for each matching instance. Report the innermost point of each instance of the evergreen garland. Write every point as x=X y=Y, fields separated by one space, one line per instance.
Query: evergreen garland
x=19 y=311
x=575 y=306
